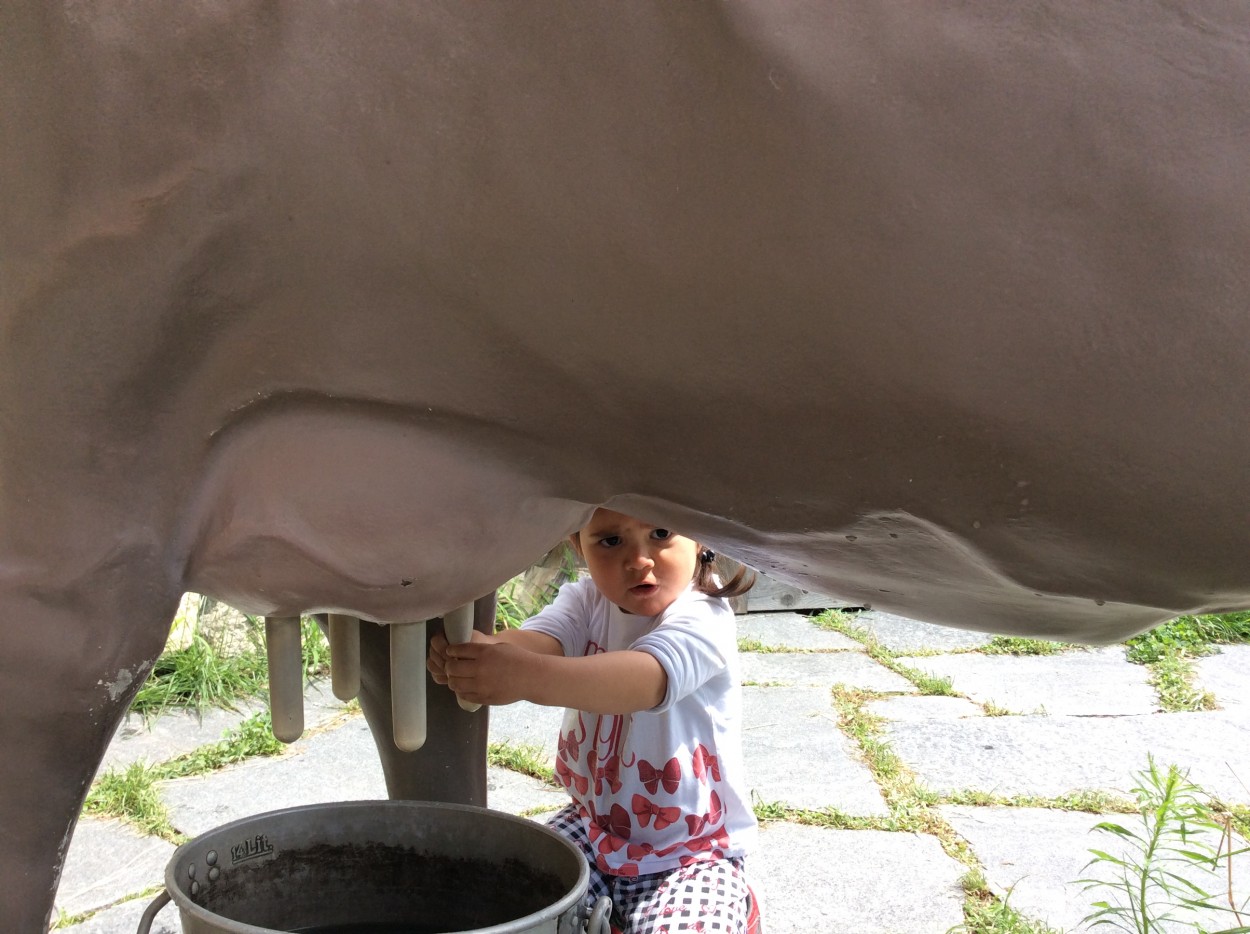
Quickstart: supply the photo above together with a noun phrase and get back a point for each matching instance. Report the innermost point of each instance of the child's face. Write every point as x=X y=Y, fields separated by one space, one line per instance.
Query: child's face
x=640 y=568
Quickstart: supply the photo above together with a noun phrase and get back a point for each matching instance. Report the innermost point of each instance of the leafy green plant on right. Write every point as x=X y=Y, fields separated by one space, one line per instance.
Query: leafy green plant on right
x=1189 y=635
x=1176 y=861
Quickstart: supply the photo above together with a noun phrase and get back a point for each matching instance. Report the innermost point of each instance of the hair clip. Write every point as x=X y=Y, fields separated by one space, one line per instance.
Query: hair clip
x=707 y=555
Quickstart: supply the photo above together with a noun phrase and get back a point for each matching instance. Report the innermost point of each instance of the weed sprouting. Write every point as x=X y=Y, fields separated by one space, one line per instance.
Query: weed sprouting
x=1015 y=645
x=528 y=760
x=1167 y=861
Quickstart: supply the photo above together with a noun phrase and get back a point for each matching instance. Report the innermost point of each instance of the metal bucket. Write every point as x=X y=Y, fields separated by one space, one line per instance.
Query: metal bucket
x=381 y=867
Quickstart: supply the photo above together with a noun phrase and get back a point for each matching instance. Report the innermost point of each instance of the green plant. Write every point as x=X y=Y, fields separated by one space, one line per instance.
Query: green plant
x=1015 y=645
x=250 y=739
x=985 y=913
x=515 y=602
x=1172 y=677
x=1191 y=635
x=751 y=644
x=314 y=647
x=929 y=685
x=198 y=676
x=528 y=760
x=131 y=795
x=1180 y=838
x=838 y=621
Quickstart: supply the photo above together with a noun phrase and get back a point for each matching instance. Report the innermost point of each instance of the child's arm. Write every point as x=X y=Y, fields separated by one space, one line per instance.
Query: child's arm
x=493 y=671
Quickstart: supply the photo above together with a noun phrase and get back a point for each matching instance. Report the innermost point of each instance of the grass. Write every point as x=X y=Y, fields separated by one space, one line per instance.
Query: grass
x=199 y=675
x=1015 y=645
x=513 y=605
x=1190 y=636
x=250 y=739
x=1172 y=676
x=837 y=621
x=930 y=685
x=751 y=644
x=130 y=794
x=1168 y=652
x=995 y=710
x=910 y=804
x=1088 y=802
x=528 y=760
x=986 y=913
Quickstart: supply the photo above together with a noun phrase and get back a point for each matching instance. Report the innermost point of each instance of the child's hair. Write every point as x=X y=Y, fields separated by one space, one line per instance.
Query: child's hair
x=705 y=574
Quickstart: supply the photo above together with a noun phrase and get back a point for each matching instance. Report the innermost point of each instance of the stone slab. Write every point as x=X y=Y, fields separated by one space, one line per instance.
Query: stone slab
x=124 y=919
x=1051 y=756
x=340 y=764
x=822 y=669
x=1033 y=857
x=173 y=733
x=516 y=793
x=1098 y=682
x=526 y=724
x=106 y=860
x=923 y=708
x=791 y=631
x=1227 y=676
x=900 y=634
x=811 y=879
x=176 y=732
x=796 y=754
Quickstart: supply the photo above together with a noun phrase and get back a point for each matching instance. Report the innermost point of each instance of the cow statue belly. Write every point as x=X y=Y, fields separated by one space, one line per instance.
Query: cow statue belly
x=358 y=308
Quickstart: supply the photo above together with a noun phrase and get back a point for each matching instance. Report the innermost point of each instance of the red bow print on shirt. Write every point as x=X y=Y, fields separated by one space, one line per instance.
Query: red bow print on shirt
x=610 y=773
x=716 y=842
x=713 y=817
x=705 y=762
x=616 y=823
x=568 y=777
x=645 y=809
x=652 y=778
x=636 y=851
x=568 y=746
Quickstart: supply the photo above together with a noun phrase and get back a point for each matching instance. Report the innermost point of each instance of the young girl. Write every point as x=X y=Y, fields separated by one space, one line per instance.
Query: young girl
x=644 y=655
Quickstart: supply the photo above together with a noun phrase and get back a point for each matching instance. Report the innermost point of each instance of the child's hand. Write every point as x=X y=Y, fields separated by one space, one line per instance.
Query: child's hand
x=486 y=670
x=436 y=658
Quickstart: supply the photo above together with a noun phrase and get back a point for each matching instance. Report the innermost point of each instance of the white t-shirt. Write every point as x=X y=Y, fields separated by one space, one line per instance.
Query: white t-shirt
x=663 y=787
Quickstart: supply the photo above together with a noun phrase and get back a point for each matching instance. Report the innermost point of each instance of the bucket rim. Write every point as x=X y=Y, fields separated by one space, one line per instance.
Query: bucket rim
x=555 y=910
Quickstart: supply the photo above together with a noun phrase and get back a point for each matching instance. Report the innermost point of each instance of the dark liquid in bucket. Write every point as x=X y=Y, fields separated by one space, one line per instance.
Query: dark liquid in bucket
x=377 y=889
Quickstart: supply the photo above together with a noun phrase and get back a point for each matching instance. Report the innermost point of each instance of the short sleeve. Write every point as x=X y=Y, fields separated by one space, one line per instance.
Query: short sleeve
x=565 y=618
x=693 y=645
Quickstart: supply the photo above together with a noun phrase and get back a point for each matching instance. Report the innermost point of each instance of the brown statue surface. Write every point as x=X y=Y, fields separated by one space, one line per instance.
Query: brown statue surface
x=940 y=307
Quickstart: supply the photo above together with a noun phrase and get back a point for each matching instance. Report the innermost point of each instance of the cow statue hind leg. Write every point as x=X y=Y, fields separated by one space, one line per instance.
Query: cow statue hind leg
x=77 y=645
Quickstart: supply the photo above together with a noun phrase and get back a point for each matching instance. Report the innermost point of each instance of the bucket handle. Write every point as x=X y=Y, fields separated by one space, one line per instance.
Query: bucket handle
x=145 y=923
x=600 y=920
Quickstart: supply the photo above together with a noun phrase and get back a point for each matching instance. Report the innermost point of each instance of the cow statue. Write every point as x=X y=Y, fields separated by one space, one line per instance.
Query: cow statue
x=357 y=308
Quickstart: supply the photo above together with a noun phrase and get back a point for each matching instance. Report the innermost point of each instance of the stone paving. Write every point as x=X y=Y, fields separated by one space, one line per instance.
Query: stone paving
x=1043 y=726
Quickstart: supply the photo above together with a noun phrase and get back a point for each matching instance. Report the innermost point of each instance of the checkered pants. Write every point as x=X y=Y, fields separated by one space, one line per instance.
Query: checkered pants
x=709 y=896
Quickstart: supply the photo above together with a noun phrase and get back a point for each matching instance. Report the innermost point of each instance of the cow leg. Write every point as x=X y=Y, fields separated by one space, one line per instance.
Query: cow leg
x=451 y=765
x=72 y=655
